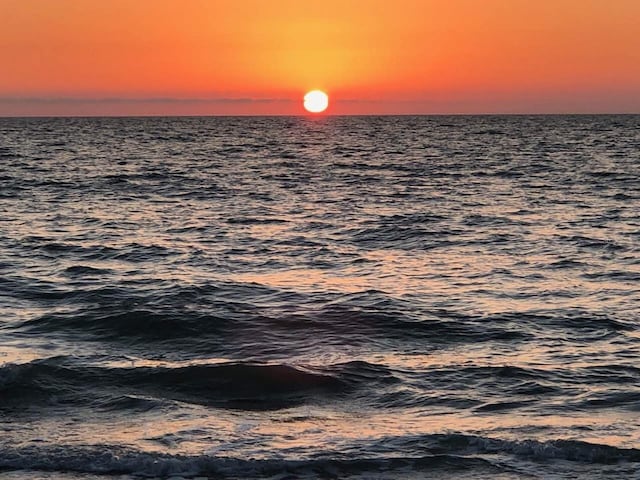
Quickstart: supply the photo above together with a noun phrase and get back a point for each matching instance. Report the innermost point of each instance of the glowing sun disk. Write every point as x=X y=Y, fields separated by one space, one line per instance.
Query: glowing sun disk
x=316 y=101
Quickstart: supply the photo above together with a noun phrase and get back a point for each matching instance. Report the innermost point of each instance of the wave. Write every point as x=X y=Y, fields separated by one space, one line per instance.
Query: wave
x=406 y=237
x=245 y=386
x=575 y=321
x=377 y=315
x=445 y=453
x=133 y=252
x=127 y=326
x=85 y=270
x=113 y=460
x=65 y=381
x=219 y=312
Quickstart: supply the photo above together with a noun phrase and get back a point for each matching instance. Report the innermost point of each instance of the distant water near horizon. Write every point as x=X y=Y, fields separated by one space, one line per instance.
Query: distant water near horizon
x=447 y=297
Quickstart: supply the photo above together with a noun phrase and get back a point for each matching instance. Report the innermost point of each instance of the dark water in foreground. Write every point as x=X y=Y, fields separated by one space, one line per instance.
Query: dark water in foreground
x=375 y=297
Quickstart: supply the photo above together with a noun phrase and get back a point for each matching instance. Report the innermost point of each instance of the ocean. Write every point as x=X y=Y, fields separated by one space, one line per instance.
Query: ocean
x=446 y=297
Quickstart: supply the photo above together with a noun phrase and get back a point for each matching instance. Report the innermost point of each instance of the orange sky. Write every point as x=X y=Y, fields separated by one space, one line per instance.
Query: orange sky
x=84 y=57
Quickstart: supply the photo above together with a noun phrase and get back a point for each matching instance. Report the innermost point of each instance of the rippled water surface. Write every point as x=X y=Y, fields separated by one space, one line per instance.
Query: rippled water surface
x=331 y=297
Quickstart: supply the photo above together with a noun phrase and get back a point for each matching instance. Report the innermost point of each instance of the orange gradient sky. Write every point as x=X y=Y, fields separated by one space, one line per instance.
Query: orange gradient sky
x=155 y=57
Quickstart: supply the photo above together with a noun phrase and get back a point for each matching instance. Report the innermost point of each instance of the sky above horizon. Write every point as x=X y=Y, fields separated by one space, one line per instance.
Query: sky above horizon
x=239 y=57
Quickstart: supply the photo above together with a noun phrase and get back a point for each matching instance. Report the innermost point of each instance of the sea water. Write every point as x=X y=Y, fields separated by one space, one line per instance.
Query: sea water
x=320 y=297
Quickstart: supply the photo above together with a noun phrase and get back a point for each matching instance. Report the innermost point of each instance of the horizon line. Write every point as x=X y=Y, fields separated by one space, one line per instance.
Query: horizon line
x=321 y=115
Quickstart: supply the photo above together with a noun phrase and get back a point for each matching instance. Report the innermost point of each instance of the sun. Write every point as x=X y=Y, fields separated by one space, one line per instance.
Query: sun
x=316 y=101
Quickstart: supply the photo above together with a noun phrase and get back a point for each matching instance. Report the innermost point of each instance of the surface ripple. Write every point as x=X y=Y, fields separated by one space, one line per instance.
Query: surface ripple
x=335 y=297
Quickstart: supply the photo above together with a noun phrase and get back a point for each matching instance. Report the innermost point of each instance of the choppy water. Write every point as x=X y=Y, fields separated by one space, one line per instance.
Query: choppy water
x=332 y=297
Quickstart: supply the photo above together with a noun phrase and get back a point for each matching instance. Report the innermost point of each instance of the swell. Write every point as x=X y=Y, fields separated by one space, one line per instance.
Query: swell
x=573 y=321
x=128 y=325
x=439 y=453
x=210 y=317
x=112 y=460
x=231 y=327
x=133 y=252
x=72 y=381
x=246 y=386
